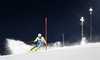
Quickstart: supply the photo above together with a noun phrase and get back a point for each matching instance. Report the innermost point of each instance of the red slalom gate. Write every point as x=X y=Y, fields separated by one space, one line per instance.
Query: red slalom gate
x=46 y=31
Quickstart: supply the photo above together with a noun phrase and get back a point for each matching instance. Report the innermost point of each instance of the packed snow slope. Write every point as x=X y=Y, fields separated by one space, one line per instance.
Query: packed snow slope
x=89 y=51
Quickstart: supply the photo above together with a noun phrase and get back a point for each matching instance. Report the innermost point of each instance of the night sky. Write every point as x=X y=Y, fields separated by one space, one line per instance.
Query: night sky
x=24 y=19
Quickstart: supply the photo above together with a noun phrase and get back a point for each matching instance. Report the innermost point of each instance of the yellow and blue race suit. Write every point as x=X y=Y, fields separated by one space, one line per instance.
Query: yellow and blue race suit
x=40 y=42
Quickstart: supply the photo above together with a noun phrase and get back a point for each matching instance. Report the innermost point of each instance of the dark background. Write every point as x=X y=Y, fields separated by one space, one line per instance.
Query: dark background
x=24 y=19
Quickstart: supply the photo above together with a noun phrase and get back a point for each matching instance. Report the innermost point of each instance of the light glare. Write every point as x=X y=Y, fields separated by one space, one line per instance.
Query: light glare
x=90 y=9
x=82 y=19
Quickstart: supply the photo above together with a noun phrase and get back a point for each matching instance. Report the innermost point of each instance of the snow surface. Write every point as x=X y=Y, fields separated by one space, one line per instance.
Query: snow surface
x=89 y=51
x=17 y=46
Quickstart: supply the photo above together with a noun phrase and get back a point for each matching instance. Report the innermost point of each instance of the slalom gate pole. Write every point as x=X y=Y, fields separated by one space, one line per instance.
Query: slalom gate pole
x=63 y=38
x=46 y=32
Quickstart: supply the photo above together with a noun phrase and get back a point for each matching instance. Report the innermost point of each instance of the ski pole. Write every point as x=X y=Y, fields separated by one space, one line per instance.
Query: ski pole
x=25 y=43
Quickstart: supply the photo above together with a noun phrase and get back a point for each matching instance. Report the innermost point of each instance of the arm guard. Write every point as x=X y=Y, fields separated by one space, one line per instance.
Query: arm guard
x=36 y=39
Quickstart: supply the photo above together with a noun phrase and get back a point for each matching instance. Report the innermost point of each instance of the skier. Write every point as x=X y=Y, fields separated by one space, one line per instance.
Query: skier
x=40 y=42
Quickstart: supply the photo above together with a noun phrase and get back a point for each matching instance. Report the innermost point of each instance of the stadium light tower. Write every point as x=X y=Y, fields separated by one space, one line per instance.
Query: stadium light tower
x=91 y=10
x=82 y=20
